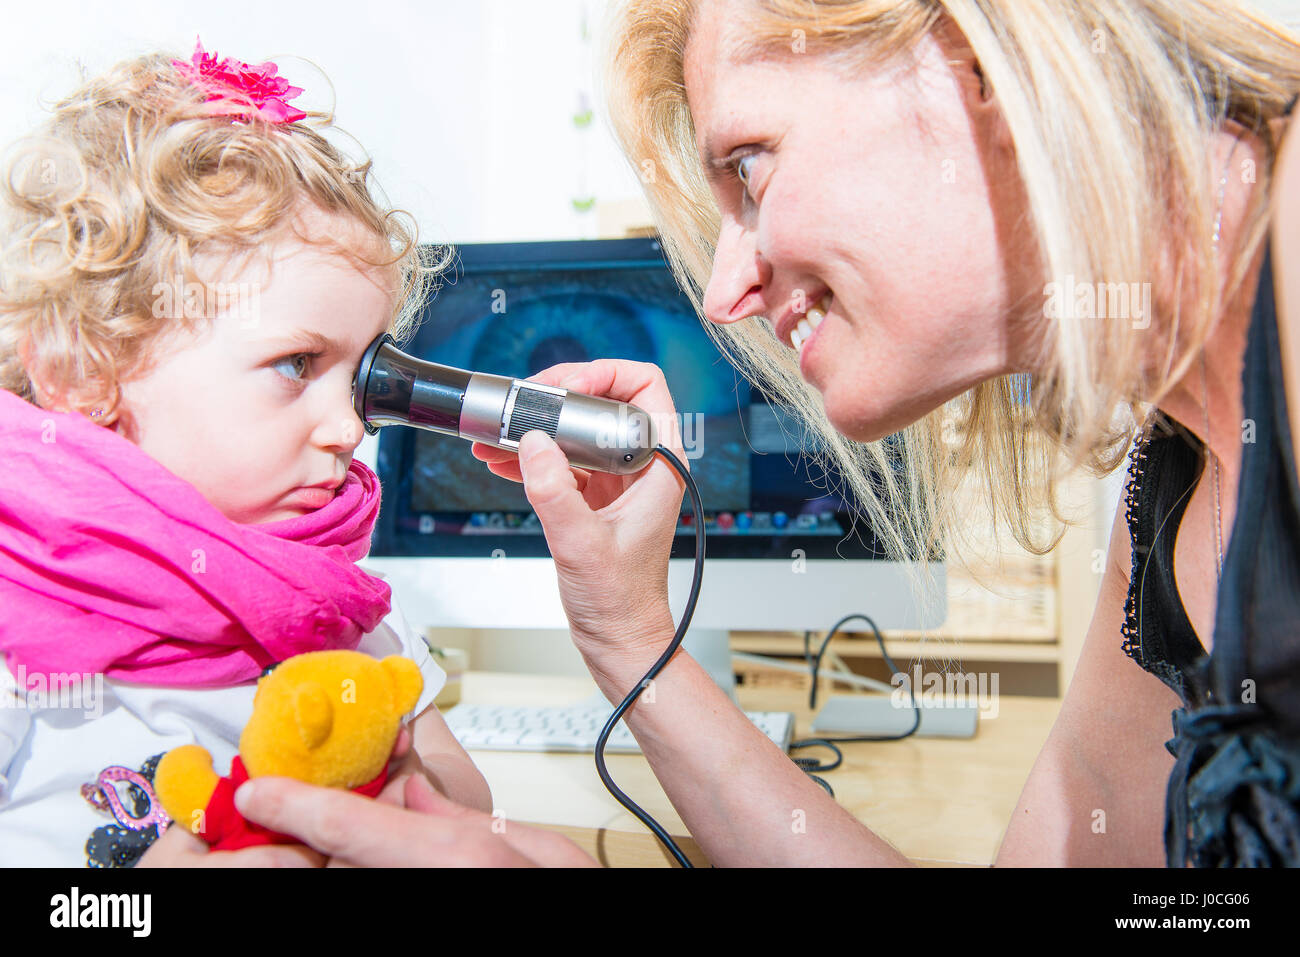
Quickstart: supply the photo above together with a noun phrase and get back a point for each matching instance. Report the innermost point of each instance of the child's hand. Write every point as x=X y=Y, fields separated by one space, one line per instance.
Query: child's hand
x=177 y=847
x=403 y=764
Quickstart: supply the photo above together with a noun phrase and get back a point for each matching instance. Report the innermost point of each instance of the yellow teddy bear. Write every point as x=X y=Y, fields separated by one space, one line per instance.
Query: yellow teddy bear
x=326 y=717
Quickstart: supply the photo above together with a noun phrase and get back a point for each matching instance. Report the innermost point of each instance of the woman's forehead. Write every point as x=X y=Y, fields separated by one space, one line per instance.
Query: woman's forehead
x=718 y=40
x=725 y=82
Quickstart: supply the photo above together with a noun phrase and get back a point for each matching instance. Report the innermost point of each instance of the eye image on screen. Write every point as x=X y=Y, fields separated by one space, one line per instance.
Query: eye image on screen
x=518 y=309
x=518 y=324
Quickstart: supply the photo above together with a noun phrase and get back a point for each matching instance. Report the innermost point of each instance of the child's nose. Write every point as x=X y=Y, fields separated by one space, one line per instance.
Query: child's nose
x=340 y=429
x=351 y=431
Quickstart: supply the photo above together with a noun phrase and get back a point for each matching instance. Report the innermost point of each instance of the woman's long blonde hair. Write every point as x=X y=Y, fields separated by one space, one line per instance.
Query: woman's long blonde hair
x=1111 y=106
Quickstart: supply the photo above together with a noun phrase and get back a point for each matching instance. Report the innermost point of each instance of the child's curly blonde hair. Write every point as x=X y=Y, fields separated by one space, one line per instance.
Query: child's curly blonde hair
x=122 y=188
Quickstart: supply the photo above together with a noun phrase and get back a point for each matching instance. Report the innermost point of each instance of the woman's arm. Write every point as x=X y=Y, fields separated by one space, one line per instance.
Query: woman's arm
x=1097 y=790
x=1096 y=793
x=742 y=799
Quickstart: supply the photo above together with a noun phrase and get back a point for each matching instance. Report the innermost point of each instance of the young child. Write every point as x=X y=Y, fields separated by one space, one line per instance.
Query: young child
x=190 y=275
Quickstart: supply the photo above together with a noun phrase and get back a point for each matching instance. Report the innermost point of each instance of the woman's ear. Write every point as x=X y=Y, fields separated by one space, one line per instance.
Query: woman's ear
x=985 y=94
x=965 y=65
x=977 y=92
x=985 y=108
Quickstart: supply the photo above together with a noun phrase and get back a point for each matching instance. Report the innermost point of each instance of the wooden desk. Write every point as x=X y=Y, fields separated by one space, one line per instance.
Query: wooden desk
x=939 y=801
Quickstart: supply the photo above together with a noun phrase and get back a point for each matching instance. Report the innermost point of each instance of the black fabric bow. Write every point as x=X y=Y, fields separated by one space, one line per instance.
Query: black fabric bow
x=1234 y=793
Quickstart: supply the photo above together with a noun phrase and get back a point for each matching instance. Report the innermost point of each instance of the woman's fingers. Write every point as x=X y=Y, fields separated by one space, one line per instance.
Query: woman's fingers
x=430 y=831
x=267 y=855
x=338 y=823
x=368 y=833
x=422 y=796
x=506 y=464
x=641 y=383
x=554 y=494
x=177 y=847
x=541 y=846
x=490 y=453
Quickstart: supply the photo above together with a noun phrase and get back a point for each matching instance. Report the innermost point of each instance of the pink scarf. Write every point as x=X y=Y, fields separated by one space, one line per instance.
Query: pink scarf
x=110 y=563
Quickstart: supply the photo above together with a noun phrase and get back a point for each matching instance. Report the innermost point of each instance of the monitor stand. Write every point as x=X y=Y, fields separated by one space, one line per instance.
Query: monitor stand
x=711 y=647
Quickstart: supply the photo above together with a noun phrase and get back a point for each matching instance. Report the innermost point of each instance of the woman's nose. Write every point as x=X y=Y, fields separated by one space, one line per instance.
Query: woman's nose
x=739 y=279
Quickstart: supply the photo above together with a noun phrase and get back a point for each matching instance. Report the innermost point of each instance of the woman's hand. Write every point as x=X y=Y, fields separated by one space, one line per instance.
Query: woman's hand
x=177 y=847
x=610 y=535
x=427 y=831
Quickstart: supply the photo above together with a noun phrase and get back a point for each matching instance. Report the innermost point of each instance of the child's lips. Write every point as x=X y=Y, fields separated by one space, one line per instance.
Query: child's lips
x=312 y=497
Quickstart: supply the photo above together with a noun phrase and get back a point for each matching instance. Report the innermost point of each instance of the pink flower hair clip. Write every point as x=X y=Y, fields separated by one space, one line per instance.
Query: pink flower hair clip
x=240 y=89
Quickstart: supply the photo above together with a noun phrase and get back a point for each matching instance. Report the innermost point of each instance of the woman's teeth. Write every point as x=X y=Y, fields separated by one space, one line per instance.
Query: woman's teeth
x=808 y=324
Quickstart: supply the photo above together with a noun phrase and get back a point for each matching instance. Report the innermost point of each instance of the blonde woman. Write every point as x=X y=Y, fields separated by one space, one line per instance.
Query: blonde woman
x=886 y=210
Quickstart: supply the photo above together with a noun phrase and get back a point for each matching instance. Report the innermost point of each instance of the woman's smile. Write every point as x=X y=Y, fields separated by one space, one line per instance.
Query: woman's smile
x=799 y=330
x=806 y=335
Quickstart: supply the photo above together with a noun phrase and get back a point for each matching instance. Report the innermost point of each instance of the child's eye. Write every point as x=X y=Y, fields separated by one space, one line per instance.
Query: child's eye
x=303 y=357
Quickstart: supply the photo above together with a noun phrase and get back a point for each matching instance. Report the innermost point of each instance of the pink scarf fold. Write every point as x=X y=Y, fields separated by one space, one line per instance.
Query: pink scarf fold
x=110 y=563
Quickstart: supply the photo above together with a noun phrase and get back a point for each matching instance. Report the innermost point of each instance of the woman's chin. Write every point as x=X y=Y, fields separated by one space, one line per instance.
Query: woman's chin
x=871 y=427
x=855 y=423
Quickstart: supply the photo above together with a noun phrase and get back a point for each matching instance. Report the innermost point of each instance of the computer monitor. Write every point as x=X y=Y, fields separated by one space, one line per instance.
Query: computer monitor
x=461 y=547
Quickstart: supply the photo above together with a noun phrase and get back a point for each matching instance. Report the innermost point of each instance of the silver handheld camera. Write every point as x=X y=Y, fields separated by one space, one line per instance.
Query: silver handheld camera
x=393 y=388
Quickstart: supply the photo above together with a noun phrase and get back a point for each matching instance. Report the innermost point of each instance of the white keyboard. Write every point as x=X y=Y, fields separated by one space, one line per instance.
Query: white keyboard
x=501 y=728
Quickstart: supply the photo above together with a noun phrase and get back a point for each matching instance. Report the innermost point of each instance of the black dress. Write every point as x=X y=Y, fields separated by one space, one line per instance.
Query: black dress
x=1234 y=793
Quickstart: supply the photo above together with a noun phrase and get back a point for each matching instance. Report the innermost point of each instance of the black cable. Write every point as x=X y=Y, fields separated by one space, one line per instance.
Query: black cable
x=812 y=764
x=656 y=829
x=825 y=785
x=815 y=665
x=807 y=764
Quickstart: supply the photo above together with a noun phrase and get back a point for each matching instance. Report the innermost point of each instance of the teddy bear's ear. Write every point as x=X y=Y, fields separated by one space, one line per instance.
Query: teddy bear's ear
x=313 y=714
x=407 y=681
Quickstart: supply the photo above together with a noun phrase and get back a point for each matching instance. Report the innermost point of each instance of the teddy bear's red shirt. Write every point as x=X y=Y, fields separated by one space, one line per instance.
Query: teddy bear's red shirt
x=226 y=829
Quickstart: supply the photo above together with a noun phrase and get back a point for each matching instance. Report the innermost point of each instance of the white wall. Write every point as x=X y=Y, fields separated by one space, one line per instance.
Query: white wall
x=1285 y=11
x=466 y=108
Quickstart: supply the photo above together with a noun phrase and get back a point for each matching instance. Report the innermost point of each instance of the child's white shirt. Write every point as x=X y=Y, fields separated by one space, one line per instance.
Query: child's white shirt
x=48 y=753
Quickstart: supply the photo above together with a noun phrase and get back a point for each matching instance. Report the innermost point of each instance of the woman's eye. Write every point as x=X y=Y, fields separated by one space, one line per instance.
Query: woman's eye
x=744 y=167
x=293 y=361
